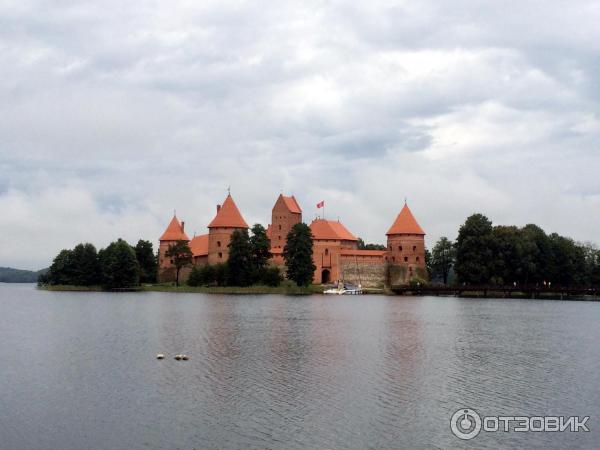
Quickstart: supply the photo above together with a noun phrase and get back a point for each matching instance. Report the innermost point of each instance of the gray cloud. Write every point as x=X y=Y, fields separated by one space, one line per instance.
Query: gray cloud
x=115 y=114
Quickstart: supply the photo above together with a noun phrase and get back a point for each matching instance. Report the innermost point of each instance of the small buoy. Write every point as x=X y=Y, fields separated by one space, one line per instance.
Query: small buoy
x=160 y=356
x=178 y=357
x=185 y=357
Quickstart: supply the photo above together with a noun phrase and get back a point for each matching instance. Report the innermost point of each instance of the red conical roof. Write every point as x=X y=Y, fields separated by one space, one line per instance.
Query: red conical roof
x=329 y=229
x=174 y=232
x=228 y=216
x=405 y=223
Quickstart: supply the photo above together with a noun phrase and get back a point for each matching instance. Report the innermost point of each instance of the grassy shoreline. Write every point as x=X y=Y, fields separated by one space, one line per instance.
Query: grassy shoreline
x=231 y=290
x=284 y=289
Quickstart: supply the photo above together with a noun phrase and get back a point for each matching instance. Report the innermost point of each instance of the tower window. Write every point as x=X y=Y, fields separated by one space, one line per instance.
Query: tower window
x=406 y=259
x=218 y=243
x=280 y=227
x=414 y=248
x=399 y=248
x=393 y=259
x=220 y=255
x=417 y=259
x=326 y=251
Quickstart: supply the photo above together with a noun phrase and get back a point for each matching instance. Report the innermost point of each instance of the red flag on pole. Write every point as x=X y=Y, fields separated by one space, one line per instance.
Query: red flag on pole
x=321 y=204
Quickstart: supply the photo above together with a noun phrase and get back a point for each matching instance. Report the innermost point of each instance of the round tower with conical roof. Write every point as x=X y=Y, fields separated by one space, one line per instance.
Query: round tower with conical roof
x=227 y=220
x=406 y=248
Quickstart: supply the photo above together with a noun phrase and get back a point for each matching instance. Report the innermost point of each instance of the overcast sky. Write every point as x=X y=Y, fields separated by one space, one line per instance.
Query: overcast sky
x=113 y=114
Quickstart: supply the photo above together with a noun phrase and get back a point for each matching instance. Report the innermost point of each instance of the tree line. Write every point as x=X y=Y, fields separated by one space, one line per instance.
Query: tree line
x=484 y=254
x=119 y=265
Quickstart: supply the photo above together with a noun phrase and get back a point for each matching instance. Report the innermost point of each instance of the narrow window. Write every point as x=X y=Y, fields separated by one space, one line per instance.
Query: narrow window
x=393 y=259
x=399 y=248
x=218 y=243
x=326 y=251
x=220 y=255
x=417 y=259
x=280 y=227
x=414 y=248
x=406 y=259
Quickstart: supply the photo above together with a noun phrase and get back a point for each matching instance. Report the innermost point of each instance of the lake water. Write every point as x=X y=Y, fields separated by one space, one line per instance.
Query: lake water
x=78 y=370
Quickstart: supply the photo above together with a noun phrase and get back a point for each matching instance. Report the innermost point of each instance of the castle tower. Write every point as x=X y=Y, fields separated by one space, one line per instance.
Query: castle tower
x=174 y=232
x=227 y=220
x=330 y=239
x=286 y=213
x=406 y=248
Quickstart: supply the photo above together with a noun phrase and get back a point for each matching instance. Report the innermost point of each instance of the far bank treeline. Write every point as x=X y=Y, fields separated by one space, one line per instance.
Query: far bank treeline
x=122 y=265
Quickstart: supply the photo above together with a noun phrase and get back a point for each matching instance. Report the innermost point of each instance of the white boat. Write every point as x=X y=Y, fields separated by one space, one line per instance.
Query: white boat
x=344 y=289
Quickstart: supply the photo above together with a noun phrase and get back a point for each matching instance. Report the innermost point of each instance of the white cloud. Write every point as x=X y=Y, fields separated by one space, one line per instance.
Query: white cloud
x=113 y=114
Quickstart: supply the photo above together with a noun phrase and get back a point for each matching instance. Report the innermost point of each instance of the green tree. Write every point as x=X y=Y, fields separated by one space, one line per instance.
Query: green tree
x=181 y=256
x=443 y=257
x=297 y=254
x=144 y=252
x=119 y=265
x=537 y=254
x=362 y=246
x=196 y=277
x=271 y=276
x=220 y=273
x=594 y=268
x=510 y=260
x=61 y=270
x=240 y=262
x=85 y=265
x=208 y=274
x=567 y=261
x=261 y=250
x=474 y=250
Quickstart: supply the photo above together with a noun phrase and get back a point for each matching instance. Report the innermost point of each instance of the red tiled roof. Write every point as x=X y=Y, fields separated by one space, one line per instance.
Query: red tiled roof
x=174 y=232
x=405 y=223
x=352 y=252
x=292 y=204
x=330 y=229
x=228 y=216
x=199 y=245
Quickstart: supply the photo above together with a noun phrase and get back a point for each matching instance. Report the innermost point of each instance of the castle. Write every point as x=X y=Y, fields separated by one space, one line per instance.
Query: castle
x=335 y=249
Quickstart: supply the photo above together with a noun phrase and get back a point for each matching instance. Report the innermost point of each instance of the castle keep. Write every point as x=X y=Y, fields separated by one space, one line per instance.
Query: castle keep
x=335 y=249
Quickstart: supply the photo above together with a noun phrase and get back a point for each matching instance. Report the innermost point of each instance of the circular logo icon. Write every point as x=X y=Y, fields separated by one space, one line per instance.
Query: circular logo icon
x=465 y=424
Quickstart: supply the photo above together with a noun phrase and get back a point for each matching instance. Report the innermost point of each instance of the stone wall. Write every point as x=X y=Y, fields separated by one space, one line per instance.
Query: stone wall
x=368 y=274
